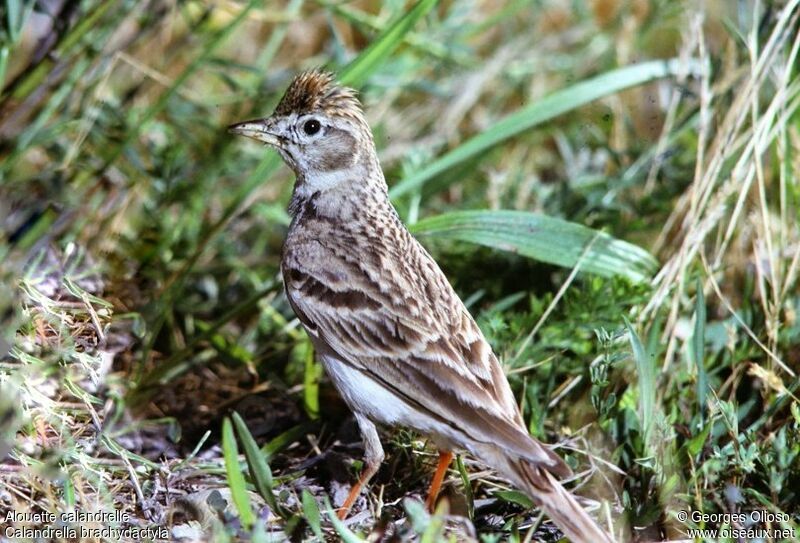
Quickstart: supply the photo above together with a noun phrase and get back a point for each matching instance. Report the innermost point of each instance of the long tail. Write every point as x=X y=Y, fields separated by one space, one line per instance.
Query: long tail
x=557 y=502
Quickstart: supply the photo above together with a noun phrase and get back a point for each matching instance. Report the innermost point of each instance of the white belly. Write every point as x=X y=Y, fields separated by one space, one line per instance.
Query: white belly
x=368 y=397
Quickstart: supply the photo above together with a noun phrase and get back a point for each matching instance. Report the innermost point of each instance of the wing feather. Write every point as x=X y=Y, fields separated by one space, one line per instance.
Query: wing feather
x=414 y=337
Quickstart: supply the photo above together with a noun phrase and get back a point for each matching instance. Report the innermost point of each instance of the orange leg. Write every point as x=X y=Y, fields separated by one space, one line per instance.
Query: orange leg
x=355 y=490
x=445 y=457
x=373 y=456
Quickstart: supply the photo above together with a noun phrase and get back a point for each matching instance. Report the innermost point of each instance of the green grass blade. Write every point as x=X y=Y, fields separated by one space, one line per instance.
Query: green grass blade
x=311 y=375
x=257 y=464
x=647 y=382
x=234 y=475
x=345 y=533
x=194 y=452
x=358 y=70
x=464 y=474
x=311 y=511
x=281 y=441
x=4 y=51
x=545 y=109
x=69 y=491
x=544 y=238
x=516 y=497
x=418 y=515
x=418 y=40
x=434 y=532
x=698 y=348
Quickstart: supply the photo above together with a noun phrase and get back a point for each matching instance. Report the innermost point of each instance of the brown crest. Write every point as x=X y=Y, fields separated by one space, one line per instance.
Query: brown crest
x=316 y=90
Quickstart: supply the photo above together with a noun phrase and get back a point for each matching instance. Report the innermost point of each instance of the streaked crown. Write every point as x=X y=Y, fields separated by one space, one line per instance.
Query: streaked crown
x=317 y=90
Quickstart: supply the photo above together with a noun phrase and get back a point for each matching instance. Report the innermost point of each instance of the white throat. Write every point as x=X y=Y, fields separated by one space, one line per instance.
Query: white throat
x=324 y=181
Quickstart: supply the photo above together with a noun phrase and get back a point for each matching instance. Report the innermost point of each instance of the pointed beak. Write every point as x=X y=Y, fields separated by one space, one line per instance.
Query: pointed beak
x=258 y=129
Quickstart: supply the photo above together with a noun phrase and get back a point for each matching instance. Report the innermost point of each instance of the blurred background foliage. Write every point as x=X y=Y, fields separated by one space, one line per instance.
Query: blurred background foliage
x=140 y=243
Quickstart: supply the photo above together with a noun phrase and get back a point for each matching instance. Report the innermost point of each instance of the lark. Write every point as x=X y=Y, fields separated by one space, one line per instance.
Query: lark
x=392 y=334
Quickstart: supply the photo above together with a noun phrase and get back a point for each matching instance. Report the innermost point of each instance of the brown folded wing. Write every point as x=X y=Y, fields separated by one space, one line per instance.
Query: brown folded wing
x=395 y=318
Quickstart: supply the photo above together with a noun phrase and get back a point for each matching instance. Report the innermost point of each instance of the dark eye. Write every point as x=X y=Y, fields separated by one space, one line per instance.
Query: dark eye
x=311 y=127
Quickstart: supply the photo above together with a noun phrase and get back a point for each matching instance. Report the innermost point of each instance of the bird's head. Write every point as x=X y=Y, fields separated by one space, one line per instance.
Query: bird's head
x=319 y=129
